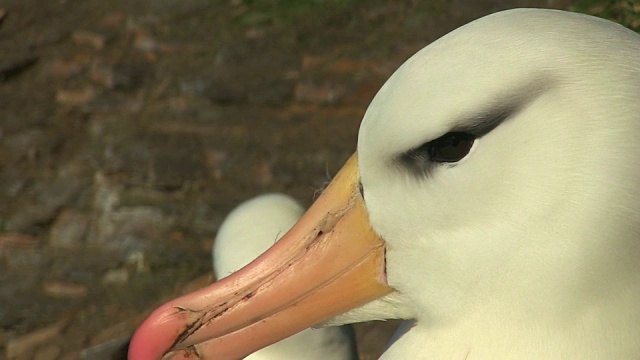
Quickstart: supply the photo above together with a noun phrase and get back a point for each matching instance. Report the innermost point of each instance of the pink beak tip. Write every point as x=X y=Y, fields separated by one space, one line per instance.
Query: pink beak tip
x=153 y=338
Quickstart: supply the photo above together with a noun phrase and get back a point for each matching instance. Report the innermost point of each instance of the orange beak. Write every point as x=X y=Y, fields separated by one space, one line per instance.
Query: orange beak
x=331 y=261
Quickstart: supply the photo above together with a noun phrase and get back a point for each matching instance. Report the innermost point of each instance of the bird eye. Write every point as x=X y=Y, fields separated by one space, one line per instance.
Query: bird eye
x=450 y=147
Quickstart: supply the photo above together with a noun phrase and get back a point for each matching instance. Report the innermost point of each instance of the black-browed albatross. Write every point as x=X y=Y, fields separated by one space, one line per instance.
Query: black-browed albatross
x=494 y=198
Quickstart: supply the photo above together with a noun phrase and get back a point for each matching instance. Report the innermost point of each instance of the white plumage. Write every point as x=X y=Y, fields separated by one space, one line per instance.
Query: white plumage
x=523 y=245
x=248 y=231
x=529 y=247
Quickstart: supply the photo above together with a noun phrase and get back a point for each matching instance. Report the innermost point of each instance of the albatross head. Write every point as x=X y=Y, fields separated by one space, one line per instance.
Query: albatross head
x=494 y=193
x=501 y=165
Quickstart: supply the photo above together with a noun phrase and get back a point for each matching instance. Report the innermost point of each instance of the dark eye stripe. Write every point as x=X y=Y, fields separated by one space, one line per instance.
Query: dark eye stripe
x=483 y=123
x=457 y=142
x=449 y=148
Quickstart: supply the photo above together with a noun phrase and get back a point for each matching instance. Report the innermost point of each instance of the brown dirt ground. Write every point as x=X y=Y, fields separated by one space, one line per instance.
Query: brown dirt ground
x=128 y=129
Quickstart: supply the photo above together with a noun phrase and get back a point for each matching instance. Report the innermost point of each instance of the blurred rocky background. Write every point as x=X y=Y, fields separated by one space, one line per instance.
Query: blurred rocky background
x=128 y=129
